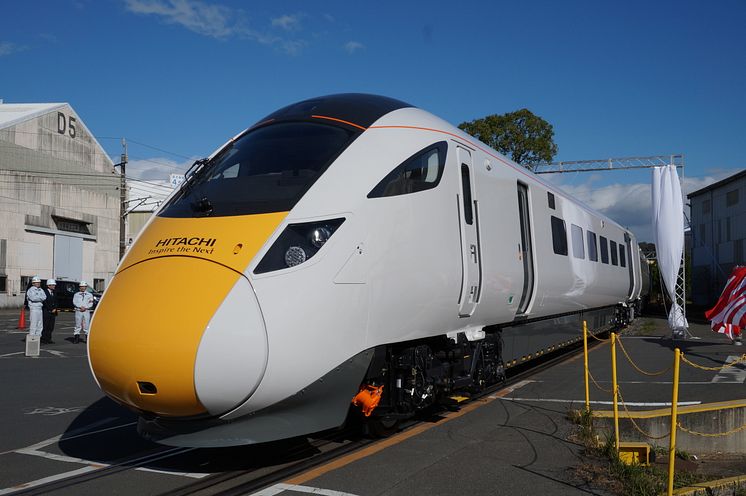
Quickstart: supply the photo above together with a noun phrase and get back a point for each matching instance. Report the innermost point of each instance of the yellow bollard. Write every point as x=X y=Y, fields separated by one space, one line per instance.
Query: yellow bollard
x=674 y=420
x=615 y=390
x=585 y=355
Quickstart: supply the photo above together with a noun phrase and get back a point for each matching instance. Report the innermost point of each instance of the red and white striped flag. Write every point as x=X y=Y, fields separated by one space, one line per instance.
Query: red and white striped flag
x=728 y=316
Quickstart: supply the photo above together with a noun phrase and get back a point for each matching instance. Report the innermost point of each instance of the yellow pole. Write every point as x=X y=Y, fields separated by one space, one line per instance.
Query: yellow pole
x=674 y=420
x=615 y=390
x=585 y=355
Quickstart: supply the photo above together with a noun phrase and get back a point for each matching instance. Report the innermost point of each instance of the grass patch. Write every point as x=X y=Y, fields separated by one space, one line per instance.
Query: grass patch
x=604 y=469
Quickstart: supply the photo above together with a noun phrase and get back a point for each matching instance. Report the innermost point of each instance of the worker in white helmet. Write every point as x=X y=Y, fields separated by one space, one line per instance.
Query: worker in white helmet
x=35 y=297
x=82 y=301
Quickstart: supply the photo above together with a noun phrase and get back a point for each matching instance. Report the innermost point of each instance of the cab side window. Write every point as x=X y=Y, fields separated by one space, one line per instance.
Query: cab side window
x=420 y=172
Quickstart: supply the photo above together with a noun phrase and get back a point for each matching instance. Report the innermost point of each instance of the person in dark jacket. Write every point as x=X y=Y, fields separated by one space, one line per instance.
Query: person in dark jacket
x=50 y=311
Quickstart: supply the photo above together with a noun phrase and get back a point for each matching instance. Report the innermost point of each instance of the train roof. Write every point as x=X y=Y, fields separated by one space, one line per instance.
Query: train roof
x=361 y=109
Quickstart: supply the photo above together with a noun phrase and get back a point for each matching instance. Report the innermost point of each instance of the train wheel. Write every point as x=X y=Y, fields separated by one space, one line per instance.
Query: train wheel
x=381 y=426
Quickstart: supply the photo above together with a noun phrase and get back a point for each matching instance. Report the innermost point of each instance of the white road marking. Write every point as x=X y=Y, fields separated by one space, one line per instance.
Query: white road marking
x=730 y=374
x=93 y=466
x=512 y=388
x=46 y=480
x=279 y=488
x=56 y=353
x=628 y=403
x=51 y=411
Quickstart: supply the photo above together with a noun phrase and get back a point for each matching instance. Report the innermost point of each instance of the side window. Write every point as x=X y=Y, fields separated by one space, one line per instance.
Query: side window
x=559 y=236
x=604 y=250
x=550 y=200
x=466 y=187
x=578 y=249
x=592 y=249
x=622 y=256
x=420 y=172
x=614 y=253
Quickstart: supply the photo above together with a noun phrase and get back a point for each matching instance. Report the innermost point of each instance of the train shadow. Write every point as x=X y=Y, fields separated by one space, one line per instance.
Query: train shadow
x=708 y=349
x=106 y=433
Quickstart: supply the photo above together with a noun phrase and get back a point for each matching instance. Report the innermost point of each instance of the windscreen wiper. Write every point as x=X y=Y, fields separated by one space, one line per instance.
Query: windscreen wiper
x=191 y=175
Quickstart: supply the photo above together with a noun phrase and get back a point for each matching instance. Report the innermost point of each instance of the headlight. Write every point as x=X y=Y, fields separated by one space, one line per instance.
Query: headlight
x=320 y=235
x=297 y=243
x=295 y=256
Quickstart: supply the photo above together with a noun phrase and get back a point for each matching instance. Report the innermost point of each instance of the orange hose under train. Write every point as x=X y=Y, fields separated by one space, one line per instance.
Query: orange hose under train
x=368 y=398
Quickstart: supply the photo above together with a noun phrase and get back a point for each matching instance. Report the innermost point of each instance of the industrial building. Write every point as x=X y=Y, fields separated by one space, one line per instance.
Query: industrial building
x=59 y=200
x=718 y=231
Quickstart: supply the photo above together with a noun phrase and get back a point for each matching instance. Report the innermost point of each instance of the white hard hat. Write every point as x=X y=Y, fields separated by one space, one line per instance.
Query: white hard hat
x=35 y=279
x=83 y=283
x=51 y=282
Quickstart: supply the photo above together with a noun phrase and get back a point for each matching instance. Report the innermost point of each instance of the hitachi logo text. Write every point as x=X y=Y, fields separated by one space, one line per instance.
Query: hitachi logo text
x=206 y=242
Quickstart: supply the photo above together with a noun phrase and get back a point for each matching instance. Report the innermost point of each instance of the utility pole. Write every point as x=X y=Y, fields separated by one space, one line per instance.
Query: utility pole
x=122 y=200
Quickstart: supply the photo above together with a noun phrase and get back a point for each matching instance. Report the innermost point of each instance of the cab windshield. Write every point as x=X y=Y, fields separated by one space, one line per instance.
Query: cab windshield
x=266 y=170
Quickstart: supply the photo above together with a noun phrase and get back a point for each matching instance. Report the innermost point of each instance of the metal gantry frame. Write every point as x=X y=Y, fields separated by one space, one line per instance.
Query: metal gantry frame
x=626 y=163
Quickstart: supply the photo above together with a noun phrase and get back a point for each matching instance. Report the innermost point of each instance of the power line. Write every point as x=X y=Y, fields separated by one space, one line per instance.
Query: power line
x=129 y=140
x=81 y=207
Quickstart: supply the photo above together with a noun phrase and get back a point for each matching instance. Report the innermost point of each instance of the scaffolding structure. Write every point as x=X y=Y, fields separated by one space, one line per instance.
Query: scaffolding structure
x=626 y=163
x=606 y=164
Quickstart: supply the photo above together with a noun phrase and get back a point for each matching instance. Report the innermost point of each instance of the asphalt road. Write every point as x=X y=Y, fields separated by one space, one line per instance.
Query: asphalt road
x=60 y=435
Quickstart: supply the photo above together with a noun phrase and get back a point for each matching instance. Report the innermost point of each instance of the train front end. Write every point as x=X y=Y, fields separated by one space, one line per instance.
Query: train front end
x=181 y=335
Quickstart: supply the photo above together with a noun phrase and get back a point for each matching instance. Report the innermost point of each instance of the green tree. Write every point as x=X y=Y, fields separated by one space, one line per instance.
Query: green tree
x=521 y=135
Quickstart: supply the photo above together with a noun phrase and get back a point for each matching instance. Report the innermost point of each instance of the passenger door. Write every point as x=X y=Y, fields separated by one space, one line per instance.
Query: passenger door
x=471 y=256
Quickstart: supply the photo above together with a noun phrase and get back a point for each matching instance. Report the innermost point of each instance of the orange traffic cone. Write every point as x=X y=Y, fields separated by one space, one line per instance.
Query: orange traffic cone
x=22 y=319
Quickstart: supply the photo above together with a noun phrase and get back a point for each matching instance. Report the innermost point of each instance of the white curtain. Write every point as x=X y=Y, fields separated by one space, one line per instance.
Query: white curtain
x=668 y=228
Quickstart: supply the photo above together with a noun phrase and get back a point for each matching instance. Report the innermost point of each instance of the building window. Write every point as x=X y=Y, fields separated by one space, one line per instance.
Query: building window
x=71 y=225
x=731 y=198
x=3 y=284
x=550 y=199
x=622 y=257
x=578 y=248
x=738 y=252
x=98 y=285
x=25 y=281
x=702 y=235
x=727 y=229
x=592 y=249
x=559 y=236
x=604 y=250
x=614 y=252
x=706 y=205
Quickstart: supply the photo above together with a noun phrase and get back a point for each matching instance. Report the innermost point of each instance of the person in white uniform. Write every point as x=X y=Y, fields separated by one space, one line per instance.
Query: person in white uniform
x=82 y=301
x=35 y=297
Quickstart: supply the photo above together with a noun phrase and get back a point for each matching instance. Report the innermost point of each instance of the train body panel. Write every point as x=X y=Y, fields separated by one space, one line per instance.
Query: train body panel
x=352 y=246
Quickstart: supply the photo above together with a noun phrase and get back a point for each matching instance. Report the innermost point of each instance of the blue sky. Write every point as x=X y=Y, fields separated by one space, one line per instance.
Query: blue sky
x=614 y=78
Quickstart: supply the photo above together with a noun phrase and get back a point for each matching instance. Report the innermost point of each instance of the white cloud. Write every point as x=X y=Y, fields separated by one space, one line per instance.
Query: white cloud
x=287 y=22
x=630 y=204
x=156 y=169
x=353 y=46
x=216 y=21
x=8 y=48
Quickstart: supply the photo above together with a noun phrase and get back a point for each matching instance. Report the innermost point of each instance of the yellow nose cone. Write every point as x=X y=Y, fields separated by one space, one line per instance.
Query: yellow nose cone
x=145 y=339
x=149 y=325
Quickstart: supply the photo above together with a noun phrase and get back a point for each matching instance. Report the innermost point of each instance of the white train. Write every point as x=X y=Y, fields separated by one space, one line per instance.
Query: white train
x=348 y=246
